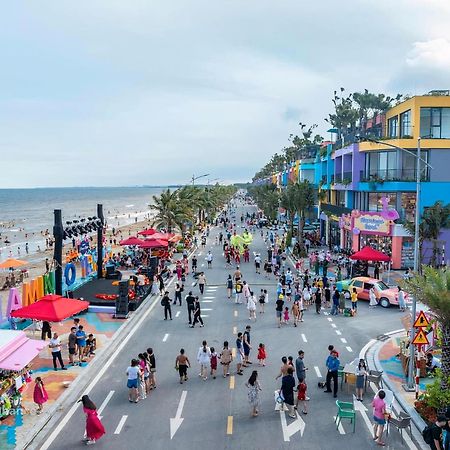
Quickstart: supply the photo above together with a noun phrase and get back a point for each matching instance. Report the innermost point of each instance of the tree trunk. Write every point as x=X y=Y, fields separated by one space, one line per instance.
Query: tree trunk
x=445 y=360
x=302 y=251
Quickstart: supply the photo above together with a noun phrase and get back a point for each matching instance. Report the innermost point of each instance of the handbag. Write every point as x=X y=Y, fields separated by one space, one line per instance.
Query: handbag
x=279 y=398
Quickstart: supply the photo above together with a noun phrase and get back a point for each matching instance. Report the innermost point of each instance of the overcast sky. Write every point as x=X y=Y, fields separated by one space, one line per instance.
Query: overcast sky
x=114 y=92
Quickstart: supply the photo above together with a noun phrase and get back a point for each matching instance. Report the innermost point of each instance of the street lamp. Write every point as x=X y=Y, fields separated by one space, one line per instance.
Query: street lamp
x=410 y=385
x=196 y=178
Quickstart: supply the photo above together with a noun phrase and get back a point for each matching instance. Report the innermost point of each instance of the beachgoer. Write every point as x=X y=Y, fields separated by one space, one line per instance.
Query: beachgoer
x=55 y=346
x=133 y=372
x=361 y=373
x=287 y=390
x=262 y=354
x=253 y=392
x=94 y=428
x=197 y=313
x=40 y=395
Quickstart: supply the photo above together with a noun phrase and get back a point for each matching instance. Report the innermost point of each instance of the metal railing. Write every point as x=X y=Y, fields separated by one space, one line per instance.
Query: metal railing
x=392 y=175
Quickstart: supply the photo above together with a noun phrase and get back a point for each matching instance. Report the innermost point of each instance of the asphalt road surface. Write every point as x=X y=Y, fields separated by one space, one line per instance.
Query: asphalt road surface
x=215 y=413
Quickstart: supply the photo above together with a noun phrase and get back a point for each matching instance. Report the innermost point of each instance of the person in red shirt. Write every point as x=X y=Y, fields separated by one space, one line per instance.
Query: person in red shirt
x=301 y=396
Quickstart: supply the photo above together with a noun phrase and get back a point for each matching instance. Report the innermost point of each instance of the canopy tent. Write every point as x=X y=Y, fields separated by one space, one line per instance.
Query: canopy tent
x=368 y=253
x=52 y=308
x=148 y=232
x=12 y=263
x=154 y=243
x=161 y=236
x=131 y=241
x=17 y=350
x=176 y=238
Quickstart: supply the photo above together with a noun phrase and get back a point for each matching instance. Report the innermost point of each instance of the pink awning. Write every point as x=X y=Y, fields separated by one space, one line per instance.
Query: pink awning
x=17 y=350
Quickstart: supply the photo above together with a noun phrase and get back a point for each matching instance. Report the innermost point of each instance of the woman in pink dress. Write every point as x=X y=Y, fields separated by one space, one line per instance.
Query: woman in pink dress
x=94 y=428
x=40 y=395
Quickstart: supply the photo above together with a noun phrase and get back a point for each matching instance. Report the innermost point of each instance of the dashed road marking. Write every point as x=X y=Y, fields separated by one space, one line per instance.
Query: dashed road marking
x=178 y=314
x=120 y=425
x=232 y=380
x=206 y=301
x=234 y=330
x=166 y=336
x=230 y=425
x=208 y=298
x=304 y=338
x=338 y=332
x=349 y=349
x=343 y=340
x=206 y=309
x=317 y=371
x=329 y=319
x=105 y=402
x=235 y=313
x=333 y=325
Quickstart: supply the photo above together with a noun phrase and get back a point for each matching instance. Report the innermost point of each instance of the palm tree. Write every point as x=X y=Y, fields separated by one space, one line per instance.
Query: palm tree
x=433 y=289
x=304 y=200
x=288 y=202
x=169 y=213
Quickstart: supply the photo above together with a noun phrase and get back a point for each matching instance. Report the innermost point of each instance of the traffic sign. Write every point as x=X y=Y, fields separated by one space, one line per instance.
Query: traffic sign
x=420 y=338
x=421 y=320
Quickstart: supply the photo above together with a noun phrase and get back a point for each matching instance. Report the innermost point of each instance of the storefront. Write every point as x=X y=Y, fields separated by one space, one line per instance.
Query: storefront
x=378 y=230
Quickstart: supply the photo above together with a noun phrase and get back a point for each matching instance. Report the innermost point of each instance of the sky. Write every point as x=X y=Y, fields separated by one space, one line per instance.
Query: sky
x=113 y=92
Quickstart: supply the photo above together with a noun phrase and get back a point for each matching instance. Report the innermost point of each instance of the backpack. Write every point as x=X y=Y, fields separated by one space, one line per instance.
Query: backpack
x=427 y=434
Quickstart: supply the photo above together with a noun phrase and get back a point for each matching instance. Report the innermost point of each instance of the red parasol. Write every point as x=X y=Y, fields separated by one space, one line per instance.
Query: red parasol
x=52 y=308
x=131 y=241
x=160 y=236
x=154 y=243
x=148 y=232
x=370 y=254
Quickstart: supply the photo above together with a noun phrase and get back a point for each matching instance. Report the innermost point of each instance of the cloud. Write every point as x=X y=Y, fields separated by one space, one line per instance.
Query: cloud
x=432 y=54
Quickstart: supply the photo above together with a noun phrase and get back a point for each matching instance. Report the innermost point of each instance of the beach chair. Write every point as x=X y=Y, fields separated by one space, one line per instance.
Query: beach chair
x=401 y=422
x=345 y=411
x=374 y=376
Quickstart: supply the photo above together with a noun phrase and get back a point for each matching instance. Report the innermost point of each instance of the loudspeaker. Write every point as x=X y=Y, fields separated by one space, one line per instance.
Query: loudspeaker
x=153 y=262
x=122 y=301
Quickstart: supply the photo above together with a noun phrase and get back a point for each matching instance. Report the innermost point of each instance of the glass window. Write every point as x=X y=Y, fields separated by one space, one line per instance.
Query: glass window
x=408 y=206
x=405 y=124
x=373 y=163
x=425 y=122
x=357 y=284
x=445 y=123
x=435 y=123
x=393 y=127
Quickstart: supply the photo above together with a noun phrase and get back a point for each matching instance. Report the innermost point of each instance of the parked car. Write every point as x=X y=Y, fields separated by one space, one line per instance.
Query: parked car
x=386 y=295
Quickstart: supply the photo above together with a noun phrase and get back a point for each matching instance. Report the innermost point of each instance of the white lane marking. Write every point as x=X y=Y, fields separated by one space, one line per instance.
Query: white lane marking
x=178 y=313
x=362 y=353
x=235 y=313
x=207 y=309
x=317 y=371
x=212 y=288
x=304 y=338
x=340 y=427
x=204 y=315
x=166 y=336
x=209 y=298
x=203 y=264
x=325 y=313
x=338 y=332
x=120 y=425
x=99 y=375
x=199 y=253
x=329 y=319
x=206 y=301
x=176 y=422
x=333 y=325
x=349 y=349
x=105 y=402
x=343 y=340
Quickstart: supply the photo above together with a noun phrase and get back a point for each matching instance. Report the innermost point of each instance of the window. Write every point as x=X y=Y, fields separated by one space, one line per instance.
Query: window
x=375 y=203
x=357 y=284
x=405 y=124
x=382 y=165
x=393 y=127
x=368 y=286
x=435 y=123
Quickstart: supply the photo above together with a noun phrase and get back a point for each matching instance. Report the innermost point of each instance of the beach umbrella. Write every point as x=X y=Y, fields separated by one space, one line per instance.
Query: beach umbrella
x=131 y=241
x=370 y=254
x=148 y=232
x=160 y=236
x=154 y=243
x=12 y=263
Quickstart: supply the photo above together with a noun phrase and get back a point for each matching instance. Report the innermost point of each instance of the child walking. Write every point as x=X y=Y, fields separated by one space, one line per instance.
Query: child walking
x=262 y=354
x=213 y=362
x=301 y=395
x=286 y=315
x=40 y=395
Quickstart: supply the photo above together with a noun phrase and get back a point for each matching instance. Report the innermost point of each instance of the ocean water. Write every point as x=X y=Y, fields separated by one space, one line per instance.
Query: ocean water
x=25 y=214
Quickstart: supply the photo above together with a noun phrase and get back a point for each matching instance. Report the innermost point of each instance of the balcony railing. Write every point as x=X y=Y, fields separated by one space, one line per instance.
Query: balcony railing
x=347 y=176
x=393 y=175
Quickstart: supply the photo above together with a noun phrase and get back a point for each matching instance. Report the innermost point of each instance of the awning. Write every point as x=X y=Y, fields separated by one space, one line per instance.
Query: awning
x=370 y=254
x=17 y=350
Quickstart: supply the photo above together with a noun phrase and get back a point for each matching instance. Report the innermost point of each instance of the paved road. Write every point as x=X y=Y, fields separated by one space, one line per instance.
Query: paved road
x=216 y=412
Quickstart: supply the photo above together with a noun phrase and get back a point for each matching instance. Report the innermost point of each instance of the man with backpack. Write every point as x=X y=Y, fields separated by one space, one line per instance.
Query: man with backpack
x=190 y=300
x=432 y=434
x=166 y=302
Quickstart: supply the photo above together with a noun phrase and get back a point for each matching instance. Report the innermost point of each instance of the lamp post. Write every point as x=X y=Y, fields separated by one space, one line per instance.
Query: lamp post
x=410 y=385
x=196 y=178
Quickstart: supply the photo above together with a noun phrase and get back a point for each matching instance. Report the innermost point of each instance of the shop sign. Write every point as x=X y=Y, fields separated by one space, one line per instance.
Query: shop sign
x=345 y=222
x=372 y=223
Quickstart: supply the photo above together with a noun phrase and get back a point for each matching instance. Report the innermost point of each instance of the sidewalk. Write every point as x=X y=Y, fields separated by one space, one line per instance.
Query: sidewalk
x=14 y=429
x=381 y=356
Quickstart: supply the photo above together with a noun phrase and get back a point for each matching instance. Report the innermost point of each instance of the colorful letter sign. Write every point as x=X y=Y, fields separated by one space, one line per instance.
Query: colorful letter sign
x=372 y=223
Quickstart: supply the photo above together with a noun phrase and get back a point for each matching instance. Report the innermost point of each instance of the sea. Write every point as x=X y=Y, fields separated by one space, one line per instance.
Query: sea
x=26 y=214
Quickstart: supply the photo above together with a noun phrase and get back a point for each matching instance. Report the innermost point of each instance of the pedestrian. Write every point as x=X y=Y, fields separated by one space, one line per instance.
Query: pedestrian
x=262 y=354
x=335 y=300
x=286 y=315
x=190 y=302
x=209 y=259
x=433 y=434
x=133 y=372
x=181 y=364
x=229 y=284
x=197 y=313
x=246 y=345
x=194 y=264
x=166 y=301
x=201 y=282
x=332 y=364
x=258 y=263
x=152 y=364
x=94 y=428
x=40 y=395
x=143 y=378
x=253 y=392
x=287 y=391
x=226 y=356
x=361 y=373
x=178 y=291
x=204 y=359
x=284 y=367
x=372 y=298
x=318 y=300
x=251 y=306
x=301 y=395
x=213 y=362
x=72 y=344
x=239 y=354
x=55 y=346
x=401 y=299
x=262 y=301
x=147 y=372
x=238 y=289
x=46 y=330
x=81 y=343
x=342 y=302
x=354 y=298
x=246 y=290
x=300 y=368
x=379 y=412
x=279 y=309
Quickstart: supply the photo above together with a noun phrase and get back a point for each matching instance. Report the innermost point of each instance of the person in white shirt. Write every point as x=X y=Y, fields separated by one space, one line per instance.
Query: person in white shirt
x=133 y=374
x=209 y=258
x=55 y=346
x=204 y=359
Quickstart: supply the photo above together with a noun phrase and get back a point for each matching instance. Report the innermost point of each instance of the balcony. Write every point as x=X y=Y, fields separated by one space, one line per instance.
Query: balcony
x=323 y=179
x=393 y=175
x=347 y=176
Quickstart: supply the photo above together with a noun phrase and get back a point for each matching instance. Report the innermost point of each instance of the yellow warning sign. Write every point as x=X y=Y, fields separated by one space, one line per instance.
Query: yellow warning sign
x=421 y=320
x=420 y=338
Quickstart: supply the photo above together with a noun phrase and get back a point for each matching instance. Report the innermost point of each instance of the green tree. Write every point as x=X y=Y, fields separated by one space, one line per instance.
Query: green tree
x=304 y=198
x=169 y=212
x=432 y=288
